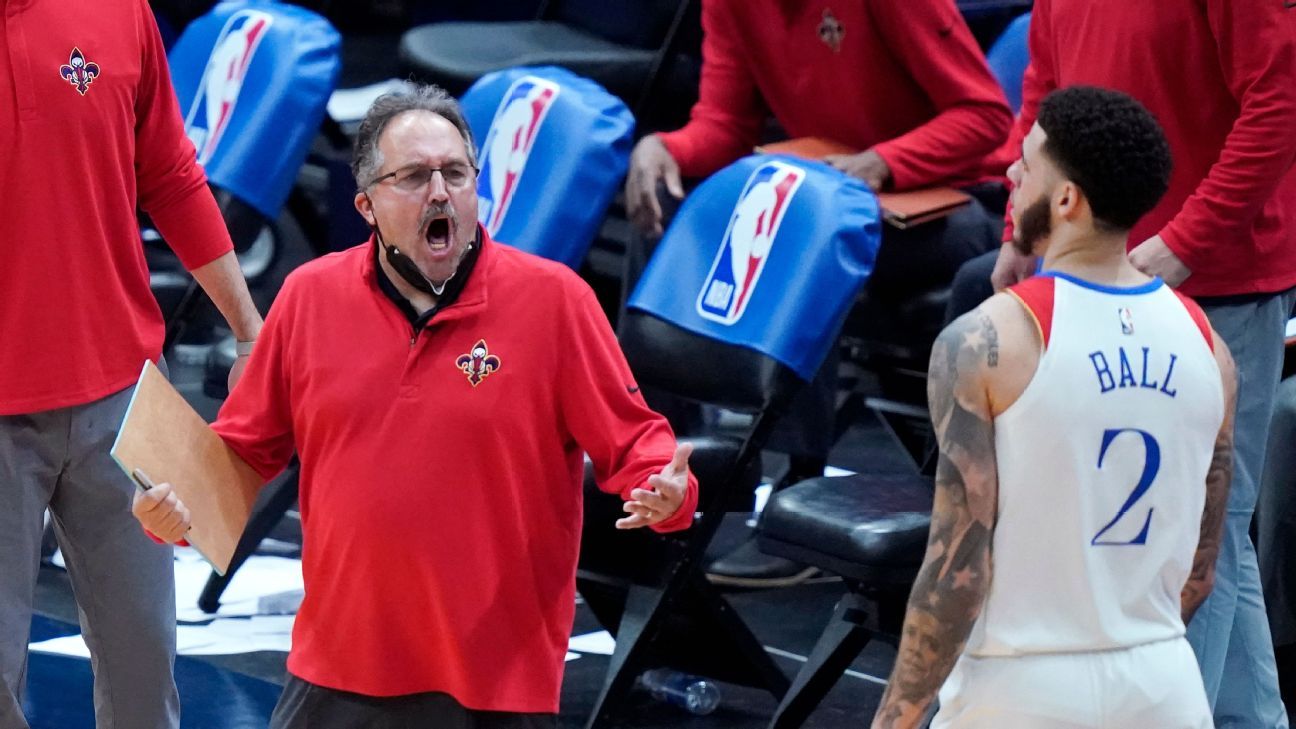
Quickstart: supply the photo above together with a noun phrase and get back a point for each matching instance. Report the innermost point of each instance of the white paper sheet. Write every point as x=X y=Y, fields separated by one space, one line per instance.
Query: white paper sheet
x=600 y=643
x=68 y=645
x=221 y=637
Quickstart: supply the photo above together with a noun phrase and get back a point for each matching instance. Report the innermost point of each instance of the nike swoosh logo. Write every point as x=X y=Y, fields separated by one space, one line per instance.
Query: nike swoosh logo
x=632 y=389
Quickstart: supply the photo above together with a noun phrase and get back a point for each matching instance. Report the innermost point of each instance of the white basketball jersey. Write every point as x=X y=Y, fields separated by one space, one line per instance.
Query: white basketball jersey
x=1102 y=471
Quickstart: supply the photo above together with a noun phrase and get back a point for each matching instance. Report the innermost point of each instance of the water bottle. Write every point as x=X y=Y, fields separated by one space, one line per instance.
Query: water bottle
x=693 y=694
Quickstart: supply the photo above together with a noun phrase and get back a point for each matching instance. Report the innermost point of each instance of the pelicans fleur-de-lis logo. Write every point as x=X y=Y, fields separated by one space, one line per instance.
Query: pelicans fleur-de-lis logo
x=79 y=72
x=831 y=32
x=478 y=363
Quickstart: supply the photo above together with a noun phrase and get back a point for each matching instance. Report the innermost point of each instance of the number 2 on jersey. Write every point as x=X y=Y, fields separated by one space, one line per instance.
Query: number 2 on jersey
x=1151 y=464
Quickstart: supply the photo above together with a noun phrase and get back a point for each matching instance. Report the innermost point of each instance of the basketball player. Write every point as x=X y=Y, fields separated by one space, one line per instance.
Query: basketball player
x=1084 y=419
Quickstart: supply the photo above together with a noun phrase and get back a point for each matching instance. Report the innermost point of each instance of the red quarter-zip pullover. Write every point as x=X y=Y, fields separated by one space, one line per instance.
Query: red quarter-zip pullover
x=441 y=471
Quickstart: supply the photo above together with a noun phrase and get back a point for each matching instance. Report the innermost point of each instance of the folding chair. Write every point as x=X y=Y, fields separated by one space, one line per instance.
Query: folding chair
x=871 y=529
x=738 y=307
x=252 y=79
x=554 y=150
x=628 y=48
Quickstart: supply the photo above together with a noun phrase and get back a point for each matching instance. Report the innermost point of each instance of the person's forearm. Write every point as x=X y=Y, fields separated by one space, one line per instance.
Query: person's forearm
x=943 y=607
x=223 y=281
x=1194 y=593
x=952 y=584
x=1214 y=511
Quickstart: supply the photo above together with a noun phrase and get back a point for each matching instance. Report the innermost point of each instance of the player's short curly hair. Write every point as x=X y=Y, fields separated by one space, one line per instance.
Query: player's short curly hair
x=1110 y=146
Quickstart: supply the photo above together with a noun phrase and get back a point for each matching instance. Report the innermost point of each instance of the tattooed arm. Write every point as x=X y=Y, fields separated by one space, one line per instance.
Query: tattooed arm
x=1218 y=478
x=955 y=576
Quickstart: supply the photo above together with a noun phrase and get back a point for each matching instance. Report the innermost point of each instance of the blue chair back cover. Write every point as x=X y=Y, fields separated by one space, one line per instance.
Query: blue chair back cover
x=1009 y=57
x=767 y=254
x=554 y=150
x=253 y=78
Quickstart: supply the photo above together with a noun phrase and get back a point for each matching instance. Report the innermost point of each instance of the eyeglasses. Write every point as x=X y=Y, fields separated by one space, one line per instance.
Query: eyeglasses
x=413 y=179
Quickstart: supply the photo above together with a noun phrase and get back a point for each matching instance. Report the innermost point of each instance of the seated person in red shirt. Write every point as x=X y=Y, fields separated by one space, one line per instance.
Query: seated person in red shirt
x=441 y=390
x=905 y=83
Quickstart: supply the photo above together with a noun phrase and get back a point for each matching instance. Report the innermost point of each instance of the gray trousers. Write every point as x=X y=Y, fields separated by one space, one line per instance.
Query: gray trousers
x=124 y=582
x=1230 y=632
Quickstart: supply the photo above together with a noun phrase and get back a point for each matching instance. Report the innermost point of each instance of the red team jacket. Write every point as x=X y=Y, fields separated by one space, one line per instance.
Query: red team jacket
x=1220 y=77
x=77 y=319
x=904 y=78
x=441 y=475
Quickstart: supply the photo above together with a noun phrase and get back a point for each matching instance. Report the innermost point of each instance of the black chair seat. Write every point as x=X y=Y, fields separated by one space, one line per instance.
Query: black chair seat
x=713 y=457
x=454 y=55
x=861 y=527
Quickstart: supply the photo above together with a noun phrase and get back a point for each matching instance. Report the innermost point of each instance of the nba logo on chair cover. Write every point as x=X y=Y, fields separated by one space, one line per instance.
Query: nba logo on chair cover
x=752 y=231
x=222 y=81
x=508 y=145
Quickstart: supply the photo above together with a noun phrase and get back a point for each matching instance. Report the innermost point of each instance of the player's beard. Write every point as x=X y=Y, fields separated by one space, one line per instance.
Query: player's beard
x=1033 y=225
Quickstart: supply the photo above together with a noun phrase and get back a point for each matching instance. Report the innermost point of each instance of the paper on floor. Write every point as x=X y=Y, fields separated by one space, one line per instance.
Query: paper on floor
x=220 y=637
x=600 y=643
x=258 y=578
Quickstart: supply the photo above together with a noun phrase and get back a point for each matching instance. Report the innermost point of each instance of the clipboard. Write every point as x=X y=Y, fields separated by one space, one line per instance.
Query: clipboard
x=162 y=436
x=901 y=210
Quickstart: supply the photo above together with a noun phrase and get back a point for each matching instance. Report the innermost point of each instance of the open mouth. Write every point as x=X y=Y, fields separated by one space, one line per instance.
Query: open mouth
x=438 y=234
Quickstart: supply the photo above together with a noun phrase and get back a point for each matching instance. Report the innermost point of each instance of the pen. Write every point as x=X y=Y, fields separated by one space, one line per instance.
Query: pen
x=142 y=479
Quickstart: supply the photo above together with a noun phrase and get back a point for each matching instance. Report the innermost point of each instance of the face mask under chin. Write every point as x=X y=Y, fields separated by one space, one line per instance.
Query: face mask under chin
x=405 y=267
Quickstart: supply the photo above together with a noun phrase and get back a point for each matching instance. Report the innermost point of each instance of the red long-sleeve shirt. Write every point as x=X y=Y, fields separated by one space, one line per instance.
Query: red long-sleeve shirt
x=441 y=519
x=906 y=79
x=77 y=319
x=1220 y=77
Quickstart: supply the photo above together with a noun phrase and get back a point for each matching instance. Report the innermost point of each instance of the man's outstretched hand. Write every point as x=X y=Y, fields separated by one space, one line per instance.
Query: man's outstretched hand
x=664 y=496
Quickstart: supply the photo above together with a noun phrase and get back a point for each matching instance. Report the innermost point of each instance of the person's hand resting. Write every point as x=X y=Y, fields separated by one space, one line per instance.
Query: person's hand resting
x=1155 y=258
x=660 y=502
x=162 y=513
x=867 y=166
x=650 y=163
